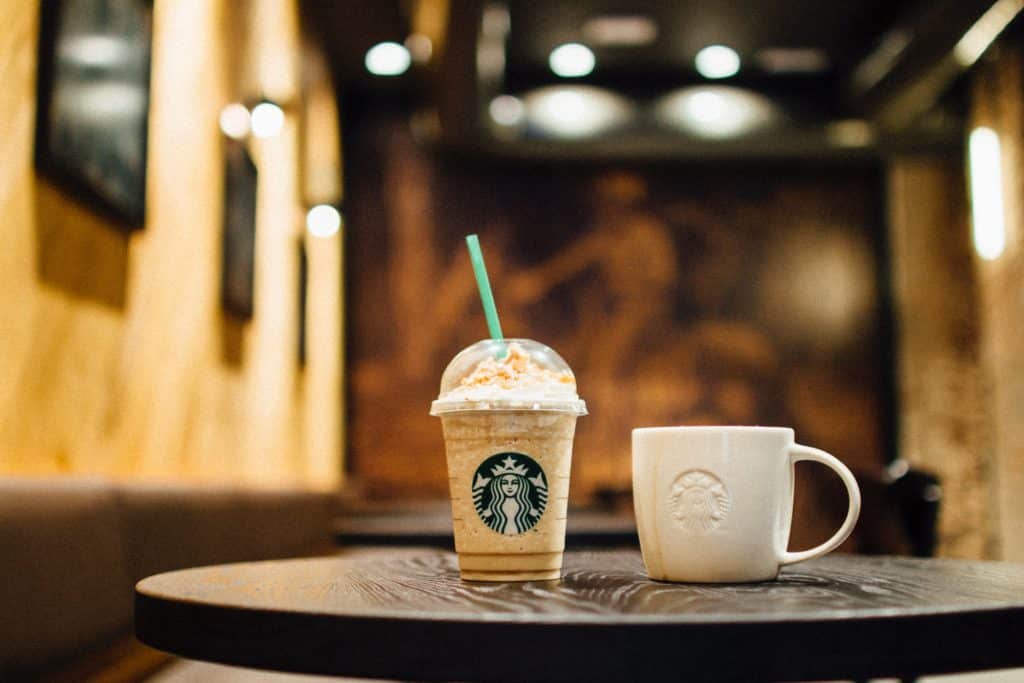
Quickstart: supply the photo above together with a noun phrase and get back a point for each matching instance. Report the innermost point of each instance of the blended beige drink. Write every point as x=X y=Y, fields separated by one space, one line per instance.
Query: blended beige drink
x=508 y=409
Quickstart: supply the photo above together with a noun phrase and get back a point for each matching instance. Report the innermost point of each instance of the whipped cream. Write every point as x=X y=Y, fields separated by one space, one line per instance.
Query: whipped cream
x=515 y=382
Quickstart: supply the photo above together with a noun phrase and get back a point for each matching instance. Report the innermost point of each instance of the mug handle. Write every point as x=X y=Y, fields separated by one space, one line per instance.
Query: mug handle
x=797 y=453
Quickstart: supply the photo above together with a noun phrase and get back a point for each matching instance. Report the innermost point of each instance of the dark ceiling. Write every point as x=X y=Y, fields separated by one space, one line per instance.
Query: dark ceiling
x=349 y=28
x=848 y=34
x=845 y=30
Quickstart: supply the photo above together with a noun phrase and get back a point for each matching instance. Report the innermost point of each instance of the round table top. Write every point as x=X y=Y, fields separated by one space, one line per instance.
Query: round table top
x=404 y=613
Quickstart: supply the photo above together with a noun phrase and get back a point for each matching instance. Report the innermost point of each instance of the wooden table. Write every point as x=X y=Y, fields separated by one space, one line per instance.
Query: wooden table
x=404 y=613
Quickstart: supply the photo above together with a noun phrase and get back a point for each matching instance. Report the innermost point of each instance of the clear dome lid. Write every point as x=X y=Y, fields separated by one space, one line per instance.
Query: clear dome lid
x=508 y=374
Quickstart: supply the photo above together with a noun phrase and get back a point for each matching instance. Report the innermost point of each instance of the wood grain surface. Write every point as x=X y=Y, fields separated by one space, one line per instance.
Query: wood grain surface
x=405 y=614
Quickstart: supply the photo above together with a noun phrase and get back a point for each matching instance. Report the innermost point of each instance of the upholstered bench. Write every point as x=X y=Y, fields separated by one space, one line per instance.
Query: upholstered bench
x=71 y=550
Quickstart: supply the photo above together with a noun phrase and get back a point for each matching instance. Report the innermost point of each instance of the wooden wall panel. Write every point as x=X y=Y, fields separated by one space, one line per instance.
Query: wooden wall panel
x=110 y=346
x=944 y=421
x=998 y=102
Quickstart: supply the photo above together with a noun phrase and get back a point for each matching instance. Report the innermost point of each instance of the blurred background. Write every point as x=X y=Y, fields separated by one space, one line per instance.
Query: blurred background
x=234 y=271
x=232 y=247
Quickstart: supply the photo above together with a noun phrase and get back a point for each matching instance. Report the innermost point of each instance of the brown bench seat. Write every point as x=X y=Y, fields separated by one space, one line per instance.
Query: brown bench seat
x=72 y=548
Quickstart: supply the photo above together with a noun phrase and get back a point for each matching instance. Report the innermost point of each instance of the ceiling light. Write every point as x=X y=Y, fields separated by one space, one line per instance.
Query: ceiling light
x=234 y=121
x=323 y=220
x=989 y=225
x=266 y=120
x=495 y=22
x=794 y=60
x=980 y=36
x=620 y=30
x=850 y=133
x=507 y=110
x=576 y=111
x=571 y=60
x=420 y=47
x=717 y=61
x=715 y=111
x=387 y=59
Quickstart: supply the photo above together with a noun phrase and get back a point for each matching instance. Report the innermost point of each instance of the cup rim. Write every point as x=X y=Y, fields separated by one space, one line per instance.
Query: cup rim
x=712 y=429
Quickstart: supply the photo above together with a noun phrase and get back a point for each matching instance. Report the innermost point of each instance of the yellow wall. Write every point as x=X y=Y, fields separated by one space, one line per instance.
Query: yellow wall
x=998 y=102
x=115 y=357
x=944 y=421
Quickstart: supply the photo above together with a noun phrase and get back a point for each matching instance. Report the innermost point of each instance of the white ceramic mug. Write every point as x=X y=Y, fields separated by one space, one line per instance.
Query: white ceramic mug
x=714 y=504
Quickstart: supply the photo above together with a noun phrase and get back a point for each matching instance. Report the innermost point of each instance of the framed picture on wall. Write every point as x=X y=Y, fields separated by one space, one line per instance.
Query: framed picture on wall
x=303 y=295
x=239 y=238
x=93 y=108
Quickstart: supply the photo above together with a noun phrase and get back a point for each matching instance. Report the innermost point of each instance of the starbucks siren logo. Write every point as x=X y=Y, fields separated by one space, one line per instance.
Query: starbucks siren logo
x=700 y=500
x=510 y=493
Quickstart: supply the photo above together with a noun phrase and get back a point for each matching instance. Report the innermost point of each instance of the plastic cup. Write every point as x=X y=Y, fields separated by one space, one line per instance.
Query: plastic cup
x=509 y=454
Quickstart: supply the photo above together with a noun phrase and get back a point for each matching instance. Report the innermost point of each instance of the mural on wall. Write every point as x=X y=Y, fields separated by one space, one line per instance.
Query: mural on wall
x=678 y=294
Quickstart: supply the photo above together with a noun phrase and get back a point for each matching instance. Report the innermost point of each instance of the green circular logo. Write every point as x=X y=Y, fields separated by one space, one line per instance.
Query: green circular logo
x=510 y=493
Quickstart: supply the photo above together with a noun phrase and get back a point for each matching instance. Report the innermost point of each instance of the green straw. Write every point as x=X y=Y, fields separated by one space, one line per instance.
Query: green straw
x=484 y=284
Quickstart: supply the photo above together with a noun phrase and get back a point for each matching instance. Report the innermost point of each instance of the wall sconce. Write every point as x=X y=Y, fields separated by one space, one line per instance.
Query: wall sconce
x=234 y=121
x=264 y=120
x=323 y=220
x=267 y=119
x=987 y=215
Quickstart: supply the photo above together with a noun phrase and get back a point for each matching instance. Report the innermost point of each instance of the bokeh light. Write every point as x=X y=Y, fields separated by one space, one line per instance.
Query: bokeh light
x=576 y=111
x=572 y=60
x=717 y=61
x=267 y=120
x=507 y=110
x=387 y=59
x=323 y=220
x=234 y=121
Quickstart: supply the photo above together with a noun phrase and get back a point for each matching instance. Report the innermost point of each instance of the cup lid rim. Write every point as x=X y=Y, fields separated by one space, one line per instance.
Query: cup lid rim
x=714 y=428
x=575 y=406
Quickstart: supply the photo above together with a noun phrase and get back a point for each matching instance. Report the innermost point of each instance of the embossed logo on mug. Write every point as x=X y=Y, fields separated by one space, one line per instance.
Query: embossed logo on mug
x=700 y=500
x=510 y=493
